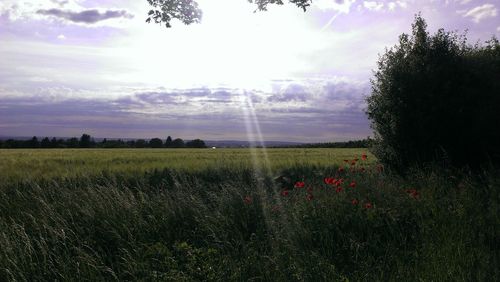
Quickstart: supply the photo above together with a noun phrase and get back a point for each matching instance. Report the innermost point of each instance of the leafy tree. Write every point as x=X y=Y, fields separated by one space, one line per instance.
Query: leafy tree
x=33 y=143
x=155 y=143
x=178 y=143
x=188 y=11
x=53 y=143
x=196 y=143
x=85 y=141
x=168 y=142
x=436 y=98
x=45 y=143
x=140 y=143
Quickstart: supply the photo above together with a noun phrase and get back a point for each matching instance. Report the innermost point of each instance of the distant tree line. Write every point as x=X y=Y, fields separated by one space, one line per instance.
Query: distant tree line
x=86 y=141
x=364 y=143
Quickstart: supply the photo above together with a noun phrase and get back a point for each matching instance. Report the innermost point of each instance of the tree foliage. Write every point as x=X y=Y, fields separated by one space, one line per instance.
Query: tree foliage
x=435 y=97
x=188 y=11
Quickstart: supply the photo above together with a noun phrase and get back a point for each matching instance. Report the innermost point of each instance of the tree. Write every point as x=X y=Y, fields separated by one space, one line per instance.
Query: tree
x=178 y=143
x=33 y=143
x=156 y=143
x=168 y=142
x=188 y=11
x=45 y=143
x=85 y=141
x=436 y=98
x=196 y=143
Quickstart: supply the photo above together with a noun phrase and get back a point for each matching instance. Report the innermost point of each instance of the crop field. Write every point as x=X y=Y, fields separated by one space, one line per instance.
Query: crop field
x=242 y=215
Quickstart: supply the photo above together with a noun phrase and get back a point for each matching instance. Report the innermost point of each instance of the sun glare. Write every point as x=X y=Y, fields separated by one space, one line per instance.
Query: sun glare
x=232 y=46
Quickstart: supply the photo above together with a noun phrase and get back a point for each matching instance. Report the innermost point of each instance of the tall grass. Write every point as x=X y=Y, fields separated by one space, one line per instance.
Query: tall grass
x=224 y=222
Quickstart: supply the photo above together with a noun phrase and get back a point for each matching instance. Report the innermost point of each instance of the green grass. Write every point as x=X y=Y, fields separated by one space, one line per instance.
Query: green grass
x=181 y=215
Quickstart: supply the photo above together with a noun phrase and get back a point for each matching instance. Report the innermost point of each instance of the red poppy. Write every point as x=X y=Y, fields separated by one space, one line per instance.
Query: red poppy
x=354 y=202
x=339 y=189
x=339 y=181
x=341 y=169
x=300 y=184
x=330 y=180
x=352 y=184
x=284 y=193
x=368 y=205
x=248 y=200
x=413 y=193
x=364 y=157
x=309 y=196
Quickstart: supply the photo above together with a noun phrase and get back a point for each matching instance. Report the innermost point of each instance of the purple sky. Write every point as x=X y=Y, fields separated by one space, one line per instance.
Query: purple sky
x=74 y=66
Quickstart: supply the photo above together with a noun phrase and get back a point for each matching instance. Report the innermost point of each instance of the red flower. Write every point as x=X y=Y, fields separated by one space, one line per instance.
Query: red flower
x=309 y=196
x=339 y=181
x=339 y=189
x=413 y=193
x=354 y=202
x=330 y=180
x=353 y=184
x=364 y=157
x=353 y=162
x=284 y=193
x=341 y=169
x=368 y=205
x=248 y=200
x=299 y=184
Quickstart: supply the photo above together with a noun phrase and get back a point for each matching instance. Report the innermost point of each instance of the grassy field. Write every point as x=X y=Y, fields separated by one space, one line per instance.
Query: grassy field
x=32 y=164
x=230 y=215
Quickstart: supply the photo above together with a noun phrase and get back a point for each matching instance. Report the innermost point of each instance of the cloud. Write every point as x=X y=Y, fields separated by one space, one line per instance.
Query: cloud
x=373 y=5
x=480 y=13
x=86 y=16
x=298 y=110
x=342 y=6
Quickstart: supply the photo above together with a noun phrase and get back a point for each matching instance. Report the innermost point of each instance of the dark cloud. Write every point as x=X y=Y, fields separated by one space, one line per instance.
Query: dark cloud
x=87 y=16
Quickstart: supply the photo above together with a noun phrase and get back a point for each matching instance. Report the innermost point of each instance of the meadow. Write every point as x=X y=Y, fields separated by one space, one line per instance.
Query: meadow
x=242 y=215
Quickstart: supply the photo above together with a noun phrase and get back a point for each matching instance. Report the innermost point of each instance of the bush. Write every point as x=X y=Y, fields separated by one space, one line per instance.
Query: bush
x=436 y=98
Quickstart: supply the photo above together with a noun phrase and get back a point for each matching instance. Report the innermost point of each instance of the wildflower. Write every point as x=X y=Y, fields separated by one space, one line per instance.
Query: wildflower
x=309 y=196
x=341 y=169
x=352 y=184
x=339 y=181
x=413 y=193
x=364 y=157
x=339 y=189
x=248 y=200
x=284 y=193
x=353 y=162
x=354 y=202
x=330 y=180
x=368 y=205
x=299 y=184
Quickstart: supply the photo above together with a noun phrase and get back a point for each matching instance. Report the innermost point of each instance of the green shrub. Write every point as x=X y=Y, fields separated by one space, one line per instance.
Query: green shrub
x=436 y=98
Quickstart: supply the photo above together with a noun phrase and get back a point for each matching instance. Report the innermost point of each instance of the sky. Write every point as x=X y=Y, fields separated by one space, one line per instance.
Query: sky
x=95 y=66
